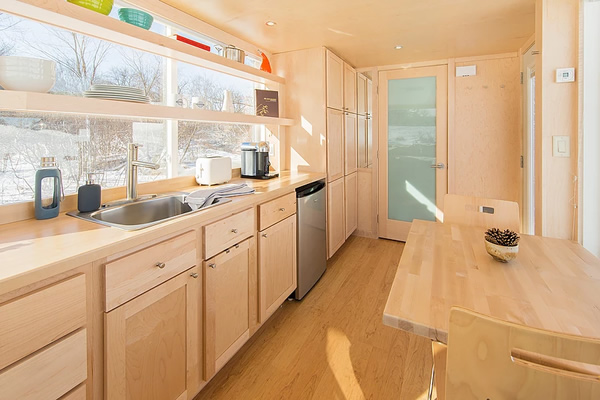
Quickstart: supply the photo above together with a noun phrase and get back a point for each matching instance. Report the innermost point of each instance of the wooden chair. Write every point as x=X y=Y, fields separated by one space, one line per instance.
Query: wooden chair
x=496 y=360
x=484 y=213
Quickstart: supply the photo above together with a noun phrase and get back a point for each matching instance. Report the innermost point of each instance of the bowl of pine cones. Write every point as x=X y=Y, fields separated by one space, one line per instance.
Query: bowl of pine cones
x=502 y=245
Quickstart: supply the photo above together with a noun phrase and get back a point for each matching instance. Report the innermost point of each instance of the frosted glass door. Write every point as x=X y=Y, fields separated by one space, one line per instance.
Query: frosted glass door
x=411 y=148
x=413 y=152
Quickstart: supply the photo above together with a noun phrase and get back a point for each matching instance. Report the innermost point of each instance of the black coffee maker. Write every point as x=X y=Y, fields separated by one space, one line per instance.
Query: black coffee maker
x=255 y=160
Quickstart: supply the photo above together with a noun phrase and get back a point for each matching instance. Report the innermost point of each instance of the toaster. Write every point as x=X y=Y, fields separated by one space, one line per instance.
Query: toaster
x=213 y=170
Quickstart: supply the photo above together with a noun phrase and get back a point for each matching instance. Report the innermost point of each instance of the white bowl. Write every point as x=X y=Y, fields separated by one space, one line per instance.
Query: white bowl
x=27 y=74
x=501 y=253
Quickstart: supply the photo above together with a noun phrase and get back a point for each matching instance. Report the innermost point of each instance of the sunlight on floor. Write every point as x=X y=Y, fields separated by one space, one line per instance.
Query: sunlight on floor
x=340 y=362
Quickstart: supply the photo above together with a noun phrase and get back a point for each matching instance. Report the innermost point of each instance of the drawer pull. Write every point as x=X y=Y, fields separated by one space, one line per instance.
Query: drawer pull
x=160 y=265
x=212 y=265
x=194 y=275
x=264 y=235
x=282 y=209
x=227 y=251
x=237 y=246
x=234 y=231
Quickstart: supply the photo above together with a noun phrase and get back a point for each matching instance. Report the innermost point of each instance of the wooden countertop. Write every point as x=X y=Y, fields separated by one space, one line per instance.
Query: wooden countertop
x=33 y=250
x=553 y=284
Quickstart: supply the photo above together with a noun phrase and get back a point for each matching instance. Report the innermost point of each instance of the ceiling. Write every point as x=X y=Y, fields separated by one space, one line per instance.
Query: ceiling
x=365 y=33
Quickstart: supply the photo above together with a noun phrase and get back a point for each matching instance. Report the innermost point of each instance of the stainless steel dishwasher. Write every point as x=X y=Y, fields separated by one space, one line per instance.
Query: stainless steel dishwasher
x=311 y=236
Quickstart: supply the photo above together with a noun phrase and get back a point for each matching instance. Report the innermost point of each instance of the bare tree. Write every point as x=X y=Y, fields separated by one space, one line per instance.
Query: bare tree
x=7 y=22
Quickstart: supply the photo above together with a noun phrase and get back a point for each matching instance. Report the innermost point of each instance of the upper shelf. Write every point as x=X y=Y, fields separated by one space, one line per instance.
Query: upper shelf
x=77 y=19
x=50 y=103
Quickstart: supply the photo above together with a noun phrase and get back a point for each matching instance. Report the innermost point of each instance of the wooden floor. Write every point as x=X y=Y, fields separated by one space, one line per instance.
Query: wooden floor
x=332 y=344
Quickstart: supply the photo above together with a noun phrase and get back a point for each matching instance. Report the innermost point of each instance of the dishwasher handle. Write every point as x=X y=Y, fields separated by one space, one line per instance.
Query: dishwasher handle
x=309 y=189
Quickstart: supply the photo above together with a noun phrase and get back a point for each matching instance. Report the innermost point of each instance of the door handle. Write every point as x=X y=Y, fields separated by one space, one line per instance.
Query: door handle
x=438 y=166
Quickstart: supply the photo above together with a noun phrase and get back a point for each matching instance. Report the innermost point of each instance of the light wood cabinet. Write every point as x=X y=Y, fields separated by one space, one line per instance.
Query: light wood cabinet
x=349 y=89
x=136 y=273
x=362 y=141
x=350 y=142
x=153 y=342
x=31 y=322
x=277 y=265
x=361 y=94
x=335 y=81
x=351 y=203
x=230 y=303
x=336 y=229
x=48 y=374
x=335 y=144
x=226 y=232
x=276 y=210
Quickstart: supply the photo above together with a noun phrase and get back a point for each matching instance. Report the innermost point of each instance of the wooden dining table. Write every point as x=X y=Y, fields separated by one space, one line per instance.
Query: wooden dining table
x=553 y=284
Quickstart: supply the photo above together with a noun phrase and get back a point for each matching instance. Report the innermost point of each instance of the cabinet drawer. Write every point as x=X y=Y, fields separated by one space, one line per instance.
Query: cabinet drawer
x=139 y=272
x=223 y=234
x=48 y=374
x=37 y=319
x=276 y=210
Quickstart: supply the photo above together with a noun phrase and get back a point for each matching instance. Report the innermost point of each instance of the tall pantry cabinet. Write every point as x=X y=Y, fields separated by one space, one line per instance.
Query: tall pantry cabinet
x=321 y=93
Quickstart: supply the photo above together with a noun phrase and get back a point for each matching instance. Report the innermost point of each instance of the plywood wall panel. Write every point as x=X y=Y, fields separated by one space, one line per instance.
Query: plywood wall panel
x=487 y=136
x=305 y=103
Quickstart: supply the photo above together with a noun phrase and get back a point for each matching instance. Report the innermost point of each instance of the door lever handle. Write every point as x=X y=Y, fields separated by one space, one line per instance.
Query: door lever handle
x=438 y=166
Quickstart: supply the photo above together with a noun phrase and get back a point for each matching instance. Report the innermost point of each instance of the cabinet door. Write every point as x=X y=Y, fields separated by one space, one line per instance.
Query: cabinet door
x=335 y=144
x=336 y=231
x=370 y=150
x=349 y=89
x=351 y=203
x=362 y=141
x=228 y=303
x=335 y=81
x=361 y=91
x=277 y=265
x=350 y=142
x=153 y=342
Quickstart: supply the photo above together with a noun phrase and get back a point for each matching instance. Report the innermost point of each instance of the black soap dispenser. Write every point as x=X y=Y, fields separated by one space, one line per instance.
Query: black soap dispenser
x=89 y=196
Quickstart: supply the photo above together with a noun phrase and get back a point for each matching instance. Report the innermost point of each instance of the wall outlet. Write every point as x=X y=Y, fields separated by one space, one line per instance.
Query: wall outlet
x=564 y=75
x=561 y=146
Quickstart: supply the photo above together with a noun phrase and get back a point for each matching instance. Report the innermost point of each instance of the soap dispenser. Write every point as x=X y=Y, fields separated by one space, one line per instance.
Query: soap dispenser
x=48 y=189
x=89 y=196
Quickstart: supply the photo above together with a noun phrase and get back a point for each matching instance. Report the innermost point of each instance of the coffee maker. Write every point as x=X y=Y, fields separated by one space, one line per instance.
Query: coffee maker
x=255 y=160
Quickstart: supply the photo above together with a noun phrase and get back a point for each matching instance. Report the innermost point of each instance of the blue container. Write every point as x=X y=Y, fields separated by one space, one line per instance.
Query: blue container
x=48 y=189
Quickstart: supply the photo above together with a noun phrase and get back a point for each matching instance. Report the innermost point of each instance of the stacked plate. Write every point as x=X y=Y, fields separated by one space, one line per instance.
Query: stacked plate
x=115 y=92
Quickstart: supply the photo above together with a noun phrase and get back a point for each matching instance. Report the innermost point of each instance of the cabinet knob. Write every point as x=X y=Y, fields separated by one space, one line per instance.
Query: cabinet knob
x=282 y=209
x=234 y=230
x=160 y=265
x=212 y=265
x=194 y=275
x=237 y=246
x=264 y=235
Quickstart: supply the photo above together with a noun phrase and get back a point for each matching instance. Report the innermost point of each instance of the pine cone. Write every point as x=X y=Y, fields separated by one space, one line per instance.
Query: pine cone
x=502 y=238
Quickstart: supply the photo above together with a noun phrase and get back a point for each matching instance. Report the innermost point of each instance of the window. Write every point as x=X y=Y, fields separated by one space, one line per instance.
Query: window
x=86 y=144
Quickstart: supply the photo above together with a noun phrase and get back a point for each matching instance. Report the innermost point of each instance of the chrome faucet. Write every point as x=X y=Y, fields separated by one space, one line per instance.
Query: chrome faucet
x=132 y=166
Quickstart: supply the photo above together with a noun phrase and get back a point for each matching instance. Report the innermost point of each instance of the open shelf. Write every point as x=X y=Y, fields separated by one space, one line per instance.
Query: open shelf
x=77 y=19
x=50 y=103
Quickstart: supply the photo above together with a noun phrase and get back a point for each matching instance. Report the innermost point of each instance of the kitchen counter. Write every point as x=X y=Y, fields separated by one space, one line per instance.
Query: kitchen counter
x=34 y=250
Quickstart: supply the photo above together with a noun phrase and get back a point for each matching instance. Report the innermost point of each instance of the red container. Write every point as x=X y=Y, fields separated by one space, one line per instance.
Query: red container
x=192 y=42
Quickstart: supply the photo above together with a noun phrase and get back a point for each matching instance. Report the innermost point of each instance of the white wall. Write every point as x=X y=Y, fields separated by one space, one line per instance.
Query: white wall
x=591 y=127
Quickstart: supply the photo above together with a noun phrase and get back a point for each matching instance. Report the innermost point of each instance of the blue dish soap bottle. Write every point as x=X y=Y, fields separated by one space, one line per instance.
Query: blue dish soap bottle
x=48 y=189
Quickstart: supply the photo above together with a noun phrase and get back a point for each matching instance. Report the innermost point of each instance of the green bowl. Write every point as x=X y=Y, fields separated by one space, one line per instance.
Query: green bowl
x=136 y=17
x=101 y=6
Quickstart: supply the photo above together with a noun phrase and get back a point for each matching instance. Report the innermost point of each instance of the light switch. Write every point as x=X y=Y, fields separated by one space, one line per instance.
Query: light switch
x=564 y=75
x=561 y=146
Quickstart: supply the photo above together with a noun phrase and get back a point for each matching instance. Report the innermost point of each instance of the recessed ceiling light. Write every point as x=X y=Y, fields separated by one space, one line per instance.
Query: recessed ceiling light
x=398 y=47
x=270 y=23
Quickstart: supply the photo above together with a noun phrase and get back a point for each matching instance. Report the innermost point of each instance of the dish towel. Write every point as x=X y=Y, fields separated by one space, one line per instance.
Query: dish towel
x=204 y=197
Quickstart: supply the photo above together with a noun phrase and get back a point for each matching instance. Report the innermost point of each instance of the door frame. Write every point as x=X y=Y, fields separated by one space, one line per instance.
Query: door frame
x=398 y=230
x=528 y=69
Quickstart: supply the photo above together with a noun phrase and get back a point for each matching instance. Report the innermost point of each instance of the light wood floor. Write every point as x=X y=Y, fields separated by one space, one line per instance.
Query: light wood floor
x=333 y=344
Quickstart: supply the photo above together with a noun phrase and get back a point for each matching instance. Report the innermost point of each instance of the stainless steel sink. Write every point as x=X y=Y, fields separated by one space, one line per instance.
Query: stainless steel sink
x=144 y=213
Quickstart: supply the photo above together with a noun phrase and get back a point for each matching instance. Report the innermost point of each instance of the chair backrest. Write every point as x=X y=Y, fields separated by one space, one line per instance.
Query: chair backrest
x=481 y=212
x=496 y=360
